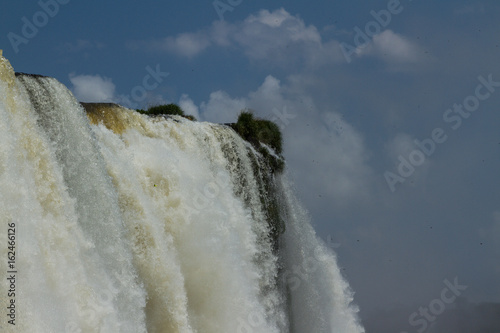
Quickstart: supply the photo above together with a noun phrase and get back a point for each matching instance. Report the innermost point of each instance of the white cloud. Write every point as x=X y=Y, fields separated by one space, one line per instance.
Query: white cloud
x=99 y=89
x=401 y=145
x=92 y=88
x=269 y=90
x=221 y=108
x=273 y=37
x=393 y=48
x=188 y=106
x=328 y=153
x=281 y=39
x=278 y=36
x=220 y=33
x=186 y=44
x=274 y=19
x=403 y=150
x=333 y=157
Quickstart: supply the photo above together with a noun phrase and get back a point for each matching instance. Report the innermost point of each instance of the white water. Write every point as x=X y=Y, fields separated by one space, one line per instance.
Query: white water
x=126 y=223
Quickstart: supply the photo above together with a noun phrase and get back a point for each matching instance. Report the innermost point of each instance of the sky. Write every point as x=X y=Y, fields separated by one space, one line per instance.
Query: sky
x=389 y=111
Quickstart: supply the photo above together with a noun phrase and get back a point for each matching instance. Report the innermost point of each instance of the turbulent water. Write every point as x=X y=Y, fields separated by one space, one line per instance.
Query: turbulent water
x=125 y=223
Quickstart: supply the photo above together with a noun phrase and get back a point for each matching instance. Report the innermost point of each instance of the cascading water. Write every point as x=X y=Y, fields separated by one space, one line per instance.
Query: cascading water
x=126 y=223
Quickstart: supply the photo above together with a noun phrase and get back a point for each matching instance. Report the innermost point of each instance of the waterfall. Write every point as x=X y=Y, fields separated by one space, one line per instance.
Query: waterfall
x=130 y=223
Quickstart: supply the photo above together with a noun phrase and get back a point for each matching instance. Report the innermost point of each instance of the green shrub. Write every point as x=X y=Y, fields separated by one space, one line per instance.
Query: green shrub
x=246 y=127
x=270 y=134
x=257 y=131
x=170 y=109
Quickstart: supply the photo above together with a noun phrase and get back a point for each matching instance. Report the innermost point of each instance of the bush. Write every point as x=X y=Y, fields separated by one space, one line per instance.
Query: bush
x=246 y=127
x=257 y=131
x=169 y=109
x=270 y=134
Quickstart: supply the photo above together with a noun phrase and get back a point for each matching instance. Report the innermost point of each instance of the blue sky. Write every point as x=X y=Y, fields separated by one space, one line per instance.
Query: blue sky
x=347 y=121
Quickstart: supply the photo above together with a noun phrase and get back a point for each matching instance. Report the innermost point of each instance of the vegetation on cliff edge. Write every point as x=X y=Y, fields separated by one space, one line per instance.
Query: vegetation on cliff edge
x=261 y=133
x=166 y=109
